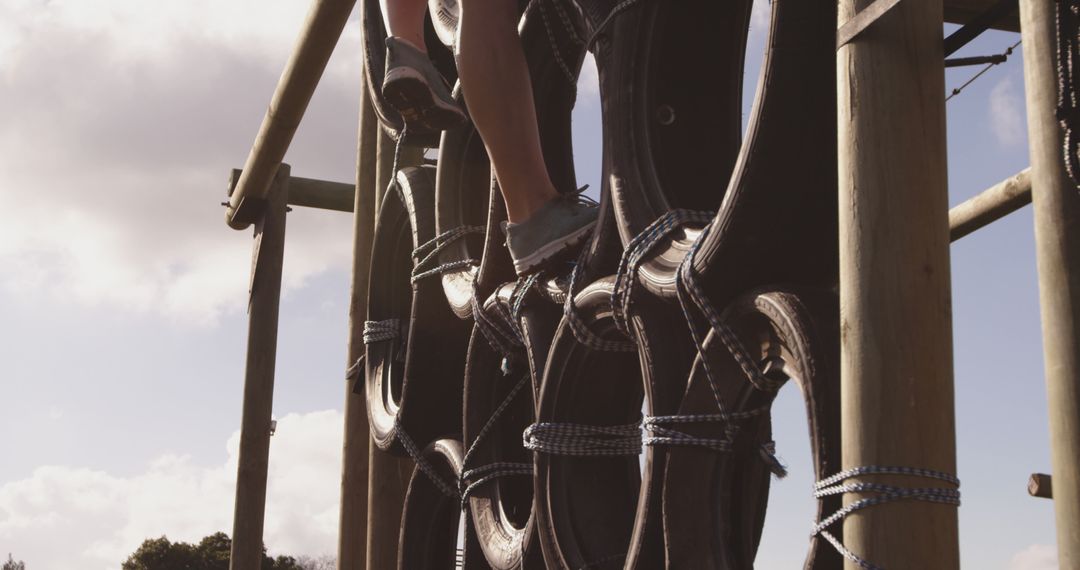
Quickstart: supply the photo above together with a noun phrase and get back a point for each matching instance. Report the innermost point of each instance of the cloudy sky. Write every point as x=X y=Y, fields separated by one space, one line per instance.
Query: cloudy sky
x=122 y=293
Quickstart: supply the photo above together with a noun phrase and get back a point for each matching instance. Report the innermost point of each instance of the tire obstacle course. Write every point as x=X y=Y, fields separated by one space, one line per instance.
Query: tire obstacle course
x=614 y=411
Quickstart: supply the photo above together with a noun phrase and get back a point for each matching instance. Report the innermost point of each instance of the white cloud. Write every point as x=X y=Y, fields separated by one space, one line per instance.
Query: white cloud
x=760 y=16
x=103 y=517
x=126 y=116
x=1007 y=114
x=1035 y=557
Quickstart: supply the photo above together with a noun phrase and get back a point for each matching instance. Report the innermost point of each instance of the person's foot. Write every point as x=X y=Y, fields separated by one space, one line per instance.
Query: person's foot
x=558 y=226
x=415 y=88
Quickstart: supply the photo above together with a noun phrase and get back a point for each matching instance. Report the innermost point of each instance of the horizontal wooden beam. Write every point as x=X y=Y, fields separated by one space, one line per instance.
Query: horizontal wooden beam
x=319 y=36
x=990 y=205
x=312 y=193
x=963 y=11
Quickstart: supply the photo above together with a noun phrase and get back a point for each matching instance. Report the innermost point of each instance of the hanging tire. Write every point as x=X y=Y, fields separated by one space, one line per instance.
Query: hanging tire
x=585 y=506
x=431 y=520
x=779 y=219
x=672 y=117
x=501 y=509
x=714 y=502
x=782 y=176
x=410 y=372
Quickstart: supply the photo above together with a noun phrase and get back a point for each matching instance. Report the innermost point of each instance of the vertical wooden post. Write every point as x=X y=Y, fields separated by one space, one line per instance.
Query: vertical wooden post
x=352 y=530
x=1057 y=244
x=896 y=330
x=388 y=477
x=254 y=459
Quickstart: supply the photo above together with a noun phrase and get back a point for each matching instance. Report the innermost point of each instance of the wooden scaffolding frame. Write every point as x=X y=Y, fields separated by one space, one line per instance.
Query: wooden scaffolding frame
x=897 y=377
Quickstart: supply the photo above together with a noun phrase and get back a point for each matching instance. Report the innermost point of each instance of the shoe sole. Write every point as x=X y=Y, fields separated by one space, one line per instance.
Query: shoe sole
x=552 y=250
x=406 y=90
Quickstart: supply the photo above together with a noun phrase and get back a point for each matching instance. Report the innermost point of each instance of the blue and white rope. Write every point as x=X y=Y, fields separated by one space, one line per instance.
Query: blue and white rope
x=381 y=331
x=835 y=485
x=428 y=252
x=583 y=440
x=473 y=478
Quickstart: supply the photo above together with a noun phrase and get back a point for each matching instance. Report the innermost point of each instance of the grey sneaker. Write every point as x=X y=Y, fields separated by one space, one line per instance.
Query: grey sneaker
x=560 y=225
x=415 y=88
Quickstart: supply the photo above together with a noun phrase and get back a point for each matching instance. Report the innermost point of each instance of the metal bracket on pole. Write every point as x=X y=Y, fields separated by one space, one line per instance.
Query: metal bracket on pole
x=857 y=25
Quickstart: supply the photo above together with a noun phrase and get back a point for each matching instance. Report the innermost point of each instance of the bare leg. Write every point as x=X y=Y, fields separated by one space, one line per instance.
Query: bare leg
x=405 y=20
x=495 y=79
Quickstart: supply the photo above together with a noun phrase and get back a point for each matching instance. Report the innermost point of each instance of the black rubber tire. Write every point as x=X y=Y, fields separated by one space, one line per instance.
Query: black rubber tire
x=714 y=503
x=430 y=519
x=778 y=222
x=672 y=114
x=784 y=174
x=502 y=510
x=374 y=46
x=422 y=393
x=585 y=506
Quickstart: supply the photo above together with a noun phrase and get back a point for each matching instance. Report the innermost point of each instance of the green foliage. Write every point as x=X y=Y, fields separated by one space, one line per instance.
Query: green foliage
x=11 y=564
x=212 y=553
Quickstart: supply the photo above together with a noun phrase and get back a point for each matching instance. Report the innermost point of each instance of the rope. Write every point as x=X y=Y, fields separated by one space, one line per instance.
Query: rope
x=581 y=330
x=428 y=252
x=1068 y=111
x=583 y=440
x=618 y=9
x=885 y=494
x=634 y=254
x=571 y=77
x=997 y=60
x=381 y=331
x=425 y=466
x=472 y=479
x=501 y=338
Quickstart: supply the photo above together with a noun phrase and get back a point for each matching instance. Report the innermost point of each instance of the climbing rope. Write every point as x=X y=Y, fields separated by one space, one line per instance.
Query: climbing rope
x=381 y=331
x=1068 y=111
x=835 y=485
x=425 y=466
x=583 y=440
x=427 y=253
x=579 y=328
x=473 y=478
x=635 y=252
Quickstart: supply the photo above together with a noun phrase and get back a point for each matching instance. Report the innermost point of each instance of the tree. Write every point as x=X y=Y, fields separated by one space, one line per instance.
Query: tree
x=11 y=564
x=212 y=553
x=325 y=562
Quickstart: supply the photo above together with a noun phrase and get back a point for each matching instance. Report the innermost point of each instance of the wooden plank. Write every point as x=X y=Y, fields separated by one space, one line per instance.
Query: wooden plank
x=352 y=528
x=254 y=454
x=1056 y=204
x=990 y=205
x=896 y=330
x=963 y=11
x=325 y=21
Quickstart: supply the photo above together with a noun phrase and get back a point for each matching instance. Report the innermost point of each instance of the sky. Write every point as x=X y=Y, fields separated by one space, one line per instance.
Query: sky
x=123 y=293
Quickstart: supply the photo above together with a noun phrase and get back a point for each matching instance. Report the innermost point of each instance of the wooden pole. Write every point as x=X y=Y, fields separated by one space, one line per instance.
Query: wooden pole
x=254 y=459
x=1057 y=245
x=896 y=330
x=325 y=21
x=388 y=475
x=990 y=205
x=352 y=535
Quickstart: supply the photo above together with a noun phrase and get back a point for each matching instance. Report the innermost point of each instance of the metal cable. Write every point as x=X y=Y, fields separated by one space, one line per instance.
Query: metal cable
x=1003 y=57
x=835 y=485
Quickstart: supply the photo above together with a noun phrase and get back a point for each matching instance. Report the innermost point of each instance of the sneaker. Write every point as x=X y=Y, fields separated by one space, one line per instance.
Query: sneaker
x=417 y=90
x=560 y=225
